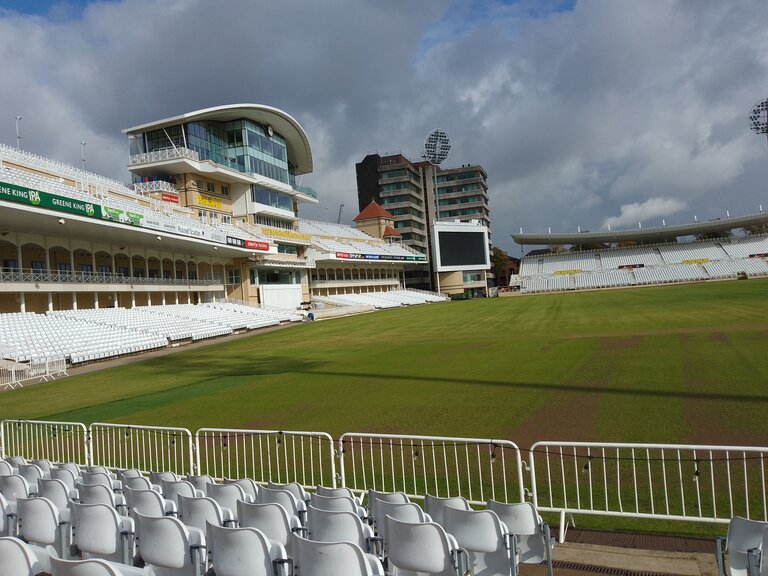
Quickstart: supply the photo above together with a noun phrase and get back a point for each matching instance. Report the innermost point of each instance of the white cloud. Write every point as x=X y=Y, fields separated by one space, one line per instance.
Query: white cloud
x=573 y=114
x=632 y=214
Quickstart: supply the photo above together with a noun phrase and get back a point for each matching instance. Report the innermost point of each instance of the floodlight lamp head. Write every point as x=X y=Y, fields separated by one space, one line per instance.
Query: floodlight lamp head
x=758 y=117
x=437 y=147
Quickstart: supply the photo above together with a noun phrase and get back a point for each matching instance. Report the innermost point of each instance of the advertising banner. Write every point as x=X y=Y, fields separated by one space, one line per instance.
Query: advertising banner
x=122 y=216
x=23 y=195
x=208 y=201
x=254 y=245
x=172 y=198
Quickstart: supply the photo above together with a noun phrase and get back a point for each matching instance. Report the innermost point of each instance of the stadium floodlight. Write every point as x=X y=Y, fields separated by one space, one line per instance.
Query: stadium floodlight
x=758 y=117
x=437 y=147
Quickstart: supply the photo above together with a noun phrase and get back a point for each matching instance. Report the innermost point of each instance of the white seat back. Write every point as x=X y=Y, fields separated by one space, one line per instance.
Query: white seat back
x=330 y=558
x=333 y=503
x=146 y=502
x=421 y=548
x=434 y=506
x=489 y=546
x=238 y=551
x=272 y=519
x=199 y=512
x=14 y=487
x=523 y=521
x=743 y=536
x=172 y=489
x=169 y=547
x=227 y=495
x=17 y=558
x=101 y=533
x=91 y=567
x=330 y=526
x=250 y=488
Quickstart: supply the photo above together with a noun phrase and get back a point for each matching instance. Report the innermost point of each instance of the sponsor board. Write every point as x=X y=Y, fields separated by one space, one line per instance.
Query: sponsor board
x=122 y=216
x=255 y=245
x=208 y=201
x=24 y=195
x=172 y=198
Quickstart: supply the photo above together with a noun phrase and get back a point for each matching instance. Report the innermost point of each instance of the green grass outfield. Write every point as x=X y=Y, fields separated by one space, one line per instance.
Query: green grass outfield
x=665 y=364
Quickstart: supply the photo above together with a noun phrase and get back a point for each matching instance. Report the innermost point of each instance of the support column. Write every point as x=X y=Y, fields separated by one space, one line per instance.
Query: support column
x=47 y=259
x=133 y=299
x=116 y=300
x=19 y=261
x=22 y=302
x=74 y=300
x=95 y=300
x=50 y=302
x=149 y=298
x=177 y=296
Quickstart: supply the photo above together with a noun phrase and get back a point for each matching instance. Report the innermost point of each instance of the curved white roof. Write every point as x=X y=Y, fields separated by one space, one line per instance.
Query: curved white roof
x=299 y=151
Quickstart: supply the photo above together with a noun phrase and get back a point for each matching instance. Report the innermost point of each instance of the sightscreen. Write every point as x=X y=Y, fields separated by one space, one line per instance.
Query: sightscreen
x=465 y=249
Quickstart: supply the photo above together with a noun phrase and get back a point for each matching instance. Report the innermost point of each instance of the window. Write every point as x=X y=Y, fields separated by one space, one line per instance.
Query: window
x=211 y=187
x=225 y=190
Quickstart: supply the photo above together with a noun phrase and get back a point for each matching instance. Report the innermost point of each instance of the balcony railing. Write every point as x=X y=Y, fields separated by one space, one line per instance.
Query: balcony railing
x=77 y=277
x=154 y=186
x=164 y=154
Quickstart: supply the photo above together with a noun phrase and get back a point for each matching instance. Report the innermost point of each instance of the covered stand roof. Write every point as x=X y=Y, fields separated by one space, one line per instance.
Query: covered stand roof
x=299 y=151
x=647 y=235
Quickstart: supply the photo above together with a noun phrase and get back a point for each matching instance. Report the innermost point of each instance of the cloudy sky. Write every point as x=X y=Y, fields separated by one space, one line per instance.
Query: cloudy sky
x=588 y=113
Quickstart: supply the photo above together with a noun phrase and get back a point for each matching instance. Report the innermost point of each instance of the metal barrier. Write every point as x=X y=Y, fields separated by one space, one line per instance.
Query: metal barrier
x=660 y=481
x=43 y=440
x=42 y=370
x=148 y=448
x=267 y=456
x=477 y=469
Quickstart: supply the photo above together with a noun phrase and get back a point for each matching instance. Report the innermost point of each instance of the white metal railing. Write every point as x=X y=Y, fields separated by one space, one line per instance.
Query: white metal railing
x=40 y=369
x=267 y=455
x=662 y=481
x=477 y=469
x=147 y=448
x=163 y=154
x=49 y=440
x=154 y=186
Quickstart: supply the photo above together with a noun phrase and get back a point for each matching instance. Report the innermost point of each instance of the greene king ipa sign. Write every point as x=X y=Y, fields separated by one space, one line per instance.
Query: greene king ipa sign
x=22 y=195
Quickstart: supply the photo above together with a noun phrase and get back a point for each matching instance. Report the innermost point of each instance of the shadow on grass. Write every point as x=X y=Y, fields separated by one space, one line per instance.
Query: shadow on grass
x=214 y=376
x=622 y=391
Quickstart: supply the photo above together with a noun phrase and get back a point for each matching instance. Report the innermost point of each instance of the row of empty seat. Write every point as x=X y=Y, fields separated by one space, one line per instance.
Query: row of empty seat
x=55 y=516
x=384 y=299
x=92 y=334
x=660 y=274
x=614 y=258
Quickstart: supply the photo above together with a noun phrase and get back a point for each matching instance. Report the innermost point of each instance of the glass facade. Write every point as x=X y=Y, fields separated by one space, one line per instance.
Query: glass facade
x=241 y=145
x=271 y=198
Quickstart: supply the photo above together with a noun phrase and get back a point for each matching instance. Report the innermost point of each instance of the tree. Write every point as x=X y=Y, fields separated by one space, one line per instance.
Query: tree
x=499 y=264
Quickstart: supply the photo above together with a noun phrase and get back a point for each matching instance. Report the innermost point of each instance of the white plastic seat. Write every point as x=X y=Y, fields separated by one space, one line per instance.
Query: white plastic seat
x=374 y=497
x=491 y=549
x=199 y=481
x=100 y=532
x=14 y=487
x=57 y=492
x=434 y=506
x=99 y=478
x=92 y=567
x=744 y=545
x=100 y=494
x=332 y=558
x=169 y=548
x=294 y=488
x=7 y=518
x=31 y=473
x=334 y=492
x=40 y=526
x=248 y=485
x=341 y=526
x=336 y=504
x=139 y=483
x=239 y=551
x=6 y=468
x=286 y=499
x=406 y=512
x=199 y=511
x=17 y=558
x=157 y=477
x=272 y=519
x=65 y=475
x=534 y=545
x=227 y=495
x=172 y=489
x=425 y=548
x=148 y=503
